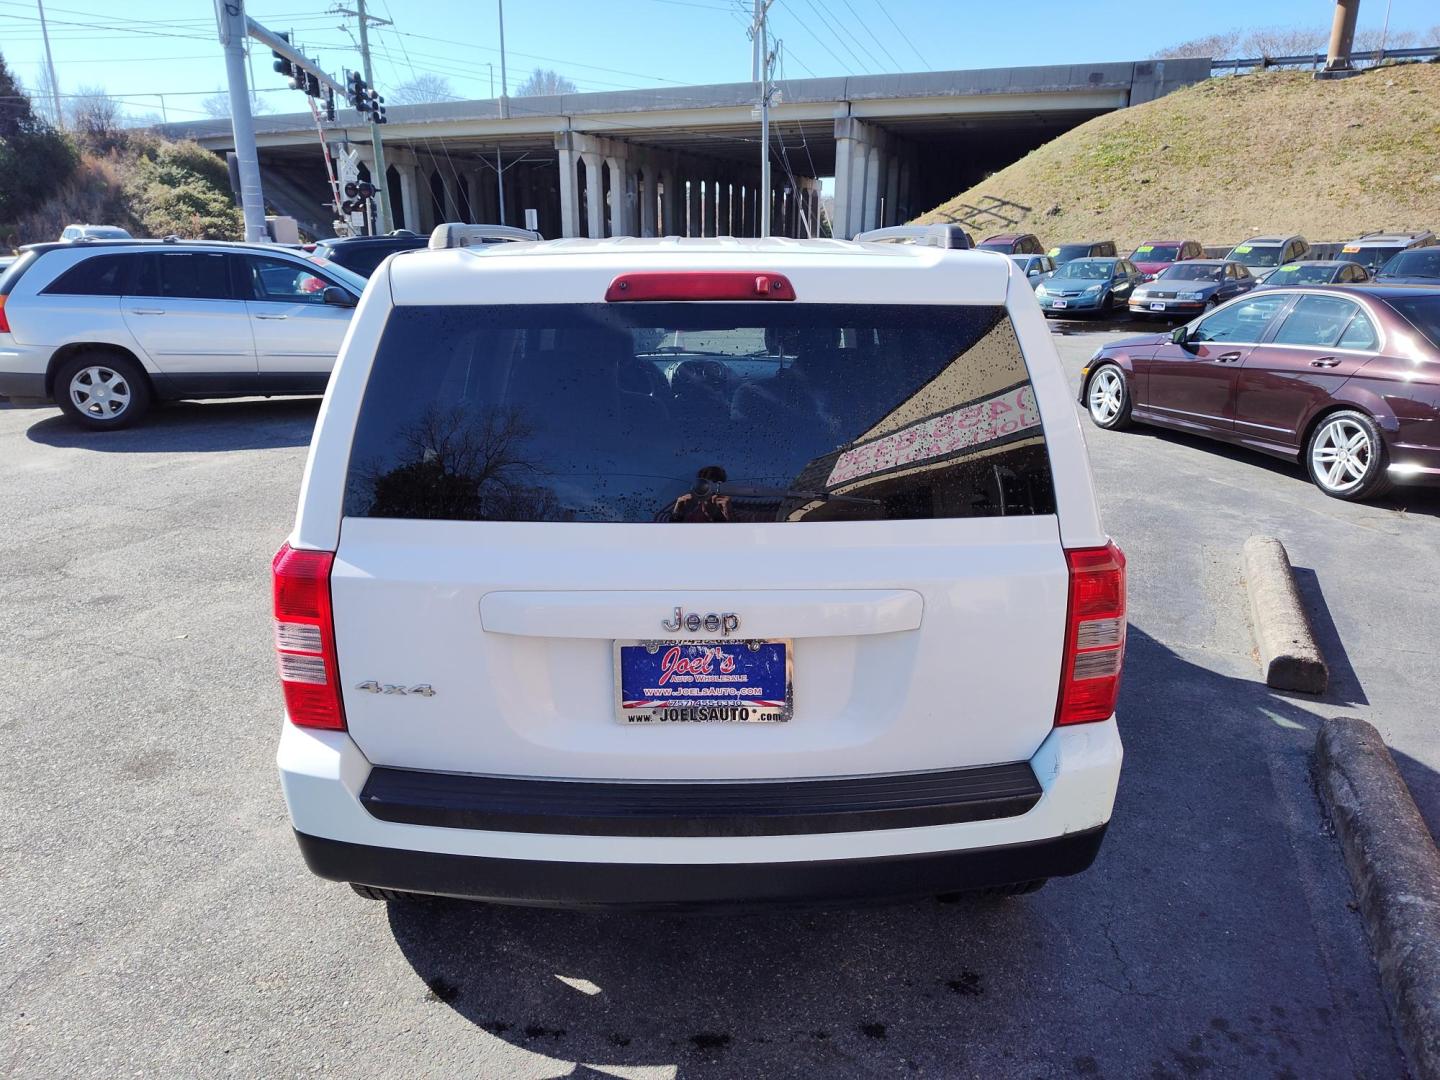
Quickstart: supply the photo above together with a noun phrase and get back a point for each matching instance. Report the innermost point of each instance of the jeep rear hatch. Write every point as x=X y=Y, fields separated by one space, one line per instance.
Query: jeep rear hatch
x=583 y=529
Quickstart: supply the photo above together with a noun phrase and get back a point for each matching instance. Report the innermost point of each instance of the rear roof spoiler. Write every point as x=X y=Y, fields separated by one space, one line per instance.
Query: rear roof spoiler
x=454 y=234
x=941 y=236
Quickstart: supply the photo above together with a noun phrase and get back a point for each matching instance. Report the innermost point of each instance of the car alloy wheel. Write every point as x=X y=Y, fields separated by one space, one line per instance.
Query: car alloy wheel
x=1107 y=396
x=100 y=391
x=1342 y=456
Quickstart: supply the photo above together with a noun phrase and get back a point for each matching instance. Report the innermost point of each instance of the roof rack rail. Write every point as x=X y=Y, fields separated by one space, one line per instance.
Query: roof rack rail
x=454 y=234
x=941 y=236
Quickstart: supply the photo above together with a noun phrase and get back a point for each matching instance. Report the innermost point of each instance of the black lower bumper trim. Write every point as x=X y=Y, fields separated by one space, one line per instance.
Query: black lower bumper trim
x=579 y=885
x=767 y=808
x=23 y=385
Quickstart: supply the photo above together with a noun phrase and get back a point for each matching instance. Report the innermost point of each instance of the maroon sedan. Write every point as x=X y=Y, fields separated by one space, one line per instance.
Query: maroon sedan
x=1155 y=255
x=1345 y=379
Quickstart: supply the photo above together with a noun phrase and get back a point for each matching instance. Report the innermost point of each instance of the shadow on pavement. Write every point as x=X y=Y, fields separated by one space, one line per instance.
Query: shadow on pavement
x=1404 y=498
x=200 y=427
x=1345 y=688
x=1191 y=926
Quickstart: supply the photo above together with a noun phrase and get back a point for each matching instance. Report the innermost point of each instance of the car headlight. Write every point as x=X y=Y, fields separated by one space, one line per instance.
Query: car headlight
x=1139 y=294
x=1093 y=289
x=1191 y=296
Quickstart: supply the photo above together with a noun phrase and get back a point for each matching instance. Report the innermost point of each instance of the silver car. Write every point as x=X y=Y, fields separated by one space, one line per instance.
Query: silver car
x=1036 y=268
x=104 y=328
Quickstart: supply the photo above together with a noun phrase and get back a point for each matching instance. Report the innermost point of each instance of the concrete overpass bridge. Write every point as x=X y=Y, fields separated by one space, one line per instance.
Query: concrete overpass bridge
x=685 y=160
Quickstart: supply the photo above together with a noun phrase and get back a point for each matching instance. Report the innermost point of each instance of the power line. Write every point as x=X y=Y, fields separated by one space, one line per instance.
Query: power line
x=885 y=11
x=821 y=42
x=866 y=26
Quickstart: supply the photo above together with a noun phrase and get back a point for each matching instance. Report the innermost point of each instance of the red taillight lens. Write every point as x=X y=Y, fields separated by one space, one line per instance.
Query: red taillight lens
x=4 y=319
x=1094 y=635
x=700 y=285
x=305 y=638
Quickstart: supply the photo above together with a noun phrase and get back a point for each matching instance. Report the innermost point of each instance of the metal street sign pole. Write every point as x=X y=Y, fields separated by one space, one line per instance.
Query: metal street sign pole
x=381 y=178
x=230 y=21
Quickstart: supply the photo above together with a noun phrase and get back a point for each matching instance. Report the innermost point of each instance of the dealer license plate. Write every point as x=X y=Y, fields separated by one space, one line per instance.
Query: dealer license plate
x=703 y=682
x=1059 y=303
x=1157 y=307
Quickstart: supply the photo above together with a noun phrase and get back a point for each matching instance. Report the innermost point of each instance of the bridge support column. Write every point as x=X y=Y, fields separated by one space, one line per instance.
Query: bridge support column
x=670 y=203
x=722 y=210
x=892 y=190
x=594 y=195
x=408 y=203
x=692 y=206
x=569 y=186
x=619 y=175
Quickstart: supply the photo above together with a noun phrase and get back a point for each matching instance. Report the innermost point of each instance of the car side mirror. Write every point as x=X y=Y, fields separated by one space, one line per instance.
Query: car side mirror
x=1180 y=336
x=1034 y=271
x=337 y=296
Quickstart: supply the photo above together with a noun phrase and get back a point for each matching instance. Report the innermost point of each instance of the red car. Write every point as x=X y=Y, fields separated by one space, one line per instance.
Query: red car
x=1343 y=379
x=1155 y=255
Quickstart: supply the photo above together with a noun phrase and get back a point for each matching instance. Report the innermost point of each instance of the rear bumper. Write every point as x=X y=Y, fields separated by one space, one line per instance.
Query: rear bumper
x=325 y=775
x=22 y=369
x=592 y=884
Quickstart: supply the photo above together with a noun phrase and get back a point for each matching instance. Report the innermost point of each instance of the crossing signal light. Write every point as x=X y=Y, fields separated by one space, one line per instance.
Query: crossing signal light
x=282 y=63
x=360 y=190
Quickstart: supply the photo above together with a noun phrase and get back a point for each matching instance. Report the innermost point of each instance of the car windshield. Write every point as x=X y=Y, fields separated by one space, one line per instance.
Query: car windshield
x=698 y=413
x=1257 y=254
x=997 y=245
x=1087 y=269
x=1192 y=272
x=1153 y=253
x=1302 y=274
x=1065 y=252
x=347 y=277
x=1424 y=262
x=1423 y=312
x=1372 y=258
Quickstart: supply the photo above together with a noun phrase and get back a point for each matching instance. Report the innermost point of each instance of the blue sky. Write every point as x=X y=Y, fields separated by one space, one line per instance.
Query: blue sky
x=142 y=48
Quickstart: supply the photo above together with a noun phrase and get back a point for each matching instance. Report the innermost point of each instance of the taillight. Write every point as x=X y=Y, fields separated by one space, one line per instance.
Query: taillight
x=4 y=319
x=1094 y=635
x=305 y=638
x=699 y=285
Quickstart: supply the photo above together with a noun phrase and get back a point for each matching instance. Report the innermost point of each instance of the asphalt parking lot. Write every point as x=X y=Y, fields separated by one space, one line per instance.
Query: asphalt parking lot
x=157 y=918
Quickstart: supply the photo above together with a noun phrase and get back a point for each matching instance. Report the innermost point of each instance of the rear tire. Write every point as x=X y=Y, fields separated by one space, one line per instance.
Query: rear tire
x=100 y=391
x=389 y=896
x=1107 y=398
x=1345 y=456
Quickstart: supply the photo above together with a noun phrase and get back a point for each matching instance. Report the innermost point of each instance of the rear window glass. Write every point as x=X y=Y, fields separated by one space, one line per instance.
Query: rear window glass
x=1418 y=263
x=1423 y=312
x=103 y=275
x=698 y=413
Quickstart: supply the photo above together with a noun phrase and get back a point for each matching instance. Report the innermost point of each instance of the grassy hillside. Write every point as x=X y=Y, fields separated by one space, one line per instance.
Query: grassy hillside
x=1222 y=160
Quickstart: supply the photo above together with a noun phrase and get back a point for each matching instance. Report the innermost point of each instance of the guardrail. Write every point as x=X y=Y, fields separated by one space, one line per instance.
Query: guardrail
x=1315 y=61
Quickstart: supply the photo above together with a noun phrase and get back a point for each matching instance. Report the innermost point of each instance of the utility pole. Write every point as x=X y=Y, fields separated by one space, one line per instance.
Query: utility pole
x=491 y=66
x=766 y=66
x=50 y=66
x=504 y=79
x=230 y=19
x=382 y=187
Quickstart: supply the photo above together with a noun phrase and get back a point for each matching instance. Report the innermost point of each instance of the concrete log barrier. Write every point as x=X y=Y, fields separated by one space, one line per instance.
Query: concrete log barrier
x=1395 y=870
x=1289 y=654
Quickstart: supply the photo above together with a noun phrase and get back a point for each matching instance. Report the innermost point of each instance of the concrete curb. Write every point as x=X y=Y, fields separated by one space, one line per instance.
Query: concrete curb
x=1395 y=870
x=1288 y=652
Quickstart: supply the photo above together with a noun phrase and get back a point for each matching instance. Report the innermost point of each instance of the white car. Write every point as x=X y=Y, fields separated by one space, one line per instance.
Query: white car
x=72 y=233
x=656 y=572
x=103 y=328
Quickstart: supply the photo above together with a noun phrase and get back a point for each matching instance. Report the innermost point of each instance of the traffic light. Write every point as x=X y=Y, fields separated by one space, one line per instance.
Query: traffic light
x=359 y=93
x=312 y=84
x=329 y=105
x=377 y=108
x=282 y=63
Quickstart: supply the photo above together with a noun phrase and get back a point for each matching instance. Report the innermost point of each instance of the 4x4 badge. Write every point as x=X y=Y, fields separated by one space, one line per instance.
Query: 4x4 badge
x=373 y=687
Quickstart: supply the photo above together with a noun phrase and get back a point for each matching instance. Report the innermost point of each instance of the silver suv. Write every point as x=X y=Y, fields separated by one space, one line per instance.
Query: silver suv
x=104 y=328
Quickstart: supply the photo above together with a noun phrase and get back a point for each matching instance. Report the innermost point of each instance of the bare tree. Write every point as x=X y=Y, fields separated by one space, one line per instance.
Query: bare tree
x=1214 y=46
x=218 y=105
x=421 y=90
x=543 y=82
x=94 y=113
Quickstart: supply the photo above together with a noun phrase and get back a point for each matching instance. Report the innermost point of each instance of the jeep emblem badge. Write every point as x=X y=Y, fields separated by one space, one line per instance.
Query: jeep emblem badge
x=723 y=623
